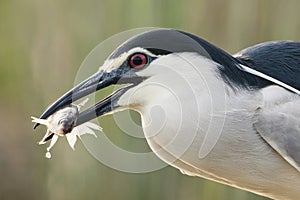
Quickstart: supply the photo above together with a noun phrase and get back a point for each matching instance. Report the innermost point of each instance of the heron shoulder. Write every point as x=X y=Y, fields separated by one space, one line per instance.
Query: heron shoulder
x=277 y=59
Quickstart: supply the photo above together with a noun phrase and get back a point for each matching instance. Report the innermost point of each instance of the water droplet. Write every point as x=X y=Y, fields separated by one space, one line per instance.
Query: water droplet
x=48 y=154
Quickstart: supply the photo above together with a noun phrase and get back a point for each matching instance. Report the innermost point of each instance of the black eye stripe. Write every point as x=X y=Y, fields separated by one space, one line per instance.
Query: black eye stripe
x=158 y=51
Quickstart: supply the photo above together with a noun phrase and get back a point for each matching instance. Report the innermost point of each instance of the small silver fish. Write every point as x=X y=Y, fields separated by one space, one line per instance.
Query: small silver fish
x=62 y=123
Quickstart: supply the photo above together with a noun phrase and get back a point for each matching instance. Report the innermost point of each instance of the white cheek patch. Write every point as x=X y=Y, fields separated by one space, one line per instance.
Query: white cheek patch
x=55 y=128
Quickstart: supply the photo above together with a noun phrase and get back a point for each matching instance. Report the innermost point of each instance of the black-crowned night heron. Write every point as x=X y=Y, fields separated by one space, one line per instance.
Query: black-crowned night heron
x=231 y=119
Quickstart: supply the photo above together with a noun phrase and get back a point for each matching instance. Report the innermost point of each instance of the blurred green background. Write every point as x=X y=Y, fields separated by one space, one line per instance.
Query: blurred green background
x=42 y=46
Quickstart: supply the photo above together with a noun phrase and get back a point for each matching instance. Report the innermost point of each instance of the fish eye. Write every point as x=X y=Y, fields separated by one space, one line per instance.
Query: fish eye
x=138 y=60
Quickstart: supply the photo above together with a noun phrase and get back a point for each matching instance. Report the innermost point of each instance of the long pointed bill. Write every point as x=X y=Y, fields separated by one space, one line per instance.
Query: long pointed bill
x=94 y=83
x=106 y=105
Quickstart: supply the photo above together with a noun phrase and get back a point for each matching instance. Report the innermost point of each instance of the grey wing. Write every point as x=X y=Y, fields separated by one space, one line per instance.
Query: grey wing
x=280 y=128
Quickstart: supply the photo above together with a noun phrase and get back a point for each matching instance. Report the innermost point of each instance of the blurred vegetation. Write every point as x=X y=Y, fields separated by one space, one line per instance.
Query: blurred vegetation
x=43 y=44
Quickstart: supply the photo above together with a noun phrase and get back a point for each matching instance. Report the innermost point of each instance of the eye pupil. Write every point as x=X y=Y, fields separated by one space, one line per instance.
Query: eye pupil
x=138 y=61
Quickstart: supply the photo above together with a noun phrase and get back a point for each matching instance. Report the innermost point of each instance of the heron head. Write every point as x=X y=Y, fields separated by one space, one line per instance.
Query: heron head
x=151 y=57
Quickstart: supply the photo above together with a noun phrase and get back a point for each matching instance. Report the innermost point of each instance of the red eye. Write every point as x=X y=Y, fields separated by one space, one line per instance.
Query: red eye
x=138 y=61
